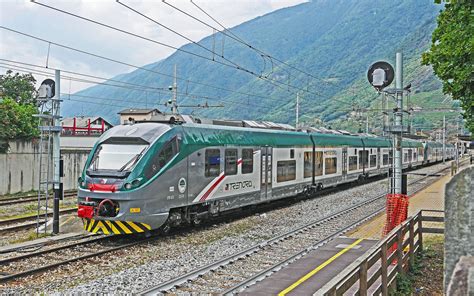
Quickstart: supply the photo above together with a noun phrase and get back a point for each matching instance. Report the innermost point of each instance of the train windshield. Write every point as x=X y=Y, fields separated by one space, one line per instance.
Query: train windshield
x=116 y=157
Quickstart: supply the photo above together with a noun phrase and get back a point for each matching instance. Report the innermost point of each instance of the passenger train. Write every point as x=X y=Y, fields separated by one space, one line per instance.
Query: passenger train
x=148 y=176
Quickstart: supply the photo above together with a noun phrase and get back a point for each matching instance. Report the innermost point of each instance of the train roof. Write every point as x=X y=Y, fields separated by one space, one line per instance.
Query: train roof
x=210 y=135
x=147 y=132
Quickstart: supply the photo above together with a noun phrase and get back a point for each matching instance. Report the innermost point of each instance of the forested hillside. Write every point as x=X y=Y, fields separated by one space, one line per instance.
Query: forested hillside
x=334 y=41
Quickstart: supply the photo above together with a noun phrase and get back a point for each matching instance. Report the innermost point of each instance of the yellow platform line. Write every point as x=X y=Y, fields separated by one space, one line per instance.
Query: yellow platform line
x=317 y=269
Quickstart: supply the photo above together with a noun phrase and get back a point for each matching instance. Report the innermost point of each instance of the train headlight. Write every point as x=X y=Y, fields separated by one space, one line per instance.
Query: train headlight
x=133 y=184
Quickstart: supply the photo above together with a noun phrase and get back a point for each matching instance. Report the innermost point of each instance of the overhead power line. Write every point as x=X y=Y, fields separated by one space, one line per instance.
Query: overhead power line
x=227 y=32
x=190 y=95
x=132 y=65
x=238 y=67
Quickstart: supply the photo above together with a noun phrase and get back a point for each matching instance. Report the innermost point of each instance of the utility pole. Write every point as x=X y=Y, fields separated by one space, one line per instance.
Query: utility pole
x=174 y=103
x=297 y=109
x=397 y=172
x=367 y=124
x=444 y=138
x=457 y=144
x=57 y=185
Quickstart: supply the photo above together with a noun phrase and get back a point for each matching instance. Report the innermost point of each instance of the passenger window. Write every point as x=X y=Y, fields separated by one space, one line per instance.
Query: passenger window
x=292 y=153
x=385 y=159
x=319 y=164
x=373 y=161
x=331 y=165
x=352 y=163
x=247 y=161
x=212 y=163
x=308 y=164
x=159 y=160
x=230 y=166
x=286 y=170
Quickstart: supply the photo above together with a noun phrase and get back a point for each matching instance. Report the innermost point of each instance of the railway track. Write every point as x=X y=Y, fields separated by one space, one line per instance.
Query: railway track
x=40 y=261
x=87 y=247
x=238 y=271
x=26 y=222
x=26 y=199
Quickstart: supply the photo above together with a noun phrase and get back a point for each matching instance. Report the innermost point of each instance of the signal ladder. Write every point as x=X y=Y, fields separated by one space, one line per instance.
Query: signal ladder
x=46 y=127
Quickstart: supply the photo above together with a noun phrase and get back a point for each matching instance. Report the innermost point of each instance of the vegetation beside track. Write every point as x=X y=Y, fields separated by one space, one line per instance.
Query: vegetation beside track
x=426 y=276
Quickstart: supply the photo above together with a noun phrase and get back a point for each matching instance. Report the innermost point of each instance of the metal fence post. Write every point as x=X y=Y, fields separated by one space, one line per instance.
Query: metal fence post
x=420 y=232
x=412 y=243
x=384 y=267
x=400 y=250
x=363 y=278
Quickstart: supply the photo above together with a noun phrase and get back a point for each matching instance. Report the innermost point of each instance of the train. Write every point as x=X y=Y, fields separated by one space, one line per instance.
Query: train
x=152 y=176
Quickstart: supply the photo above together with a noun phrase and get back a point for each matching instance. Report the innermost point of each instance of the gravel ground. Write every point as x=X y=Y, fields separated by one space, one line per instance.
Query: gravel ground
x=146 y=265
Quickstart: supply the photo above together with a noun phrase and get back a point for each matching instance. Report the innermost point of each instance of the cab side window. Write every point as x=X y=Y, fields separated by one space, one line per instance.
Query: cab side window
x=212 y=163
x=159 y=160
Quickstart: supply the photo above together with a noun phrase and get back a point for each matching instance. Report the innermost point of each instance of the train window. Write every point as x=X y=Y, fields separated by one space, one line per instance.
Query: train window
x=230 y=165
x=308 y=164
x=363 y=159
x=352 y=163
x=319 y=164
x=410 y=154
x=414 y=156
x=385 y=159
x=292 y=153
x=212 y=163
x=286 y=170
x=247 y=161
x=159 y=160
x=331 y=165
x=373 y=161
x=405 y=157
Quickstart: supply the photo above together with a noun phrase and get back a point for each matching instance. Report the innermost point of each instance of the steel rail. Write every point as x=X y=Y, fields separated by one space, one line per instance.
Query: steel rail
x=27 y=218
x=10 y=277
x=168 y=285
x=20 y=200
x=276 y=267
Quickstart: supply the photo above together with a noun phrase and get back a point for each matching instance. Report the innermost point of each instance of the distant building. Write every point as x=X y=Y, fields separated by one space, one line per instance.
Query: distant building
x=84 y=126
x=138 y=115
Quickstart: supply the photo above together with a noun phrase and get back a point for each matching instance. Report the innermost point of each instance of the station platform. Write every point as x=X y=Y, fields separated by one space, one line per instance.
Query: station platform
x=308 y=274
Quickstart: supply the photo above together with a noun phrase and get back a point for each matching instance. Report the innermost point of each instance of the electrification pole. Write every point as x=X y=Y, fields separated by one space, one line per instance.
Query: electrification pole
x=444 y=138
x=57 y=185
x=297 y=110
x=174 y=103
x=397 y=172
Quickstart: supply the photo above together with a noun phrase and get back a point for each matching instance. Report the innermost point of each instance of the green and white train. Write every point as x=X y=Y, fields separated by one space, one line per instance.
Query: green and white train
x=148 y=176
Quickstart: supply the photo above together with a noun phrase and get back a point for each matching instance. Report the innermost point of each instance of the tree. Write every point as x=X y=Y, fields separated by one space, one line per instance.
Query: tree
x=17 y=107
x=19 y=87
x=452 y=54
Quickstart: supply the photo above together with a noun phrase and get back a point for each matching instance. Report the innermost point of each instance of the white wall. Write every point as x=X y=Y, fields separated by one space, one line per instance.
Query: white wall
x=19 y=166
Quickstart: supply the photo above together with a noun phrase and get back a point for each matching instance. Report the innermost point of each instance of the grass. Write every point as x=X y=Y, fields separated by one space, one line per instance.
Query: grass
x=29 y=237
x=426 y=276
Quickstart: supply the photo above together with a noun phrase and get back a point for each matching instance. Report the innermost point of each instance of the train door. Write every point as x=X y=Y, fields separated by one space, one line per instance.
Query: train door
x=344 y=162
x=266 y=173
x=379 y=158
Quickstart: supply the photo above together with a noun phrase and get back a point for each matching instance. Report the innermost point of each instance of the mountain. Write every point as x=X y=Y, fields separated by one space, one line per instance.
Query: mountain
x=335 y=41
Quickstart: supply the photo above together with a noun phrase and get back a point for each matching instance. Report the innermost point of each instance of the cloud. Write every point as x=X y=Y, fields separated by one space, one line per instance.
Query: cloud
x=51 y=25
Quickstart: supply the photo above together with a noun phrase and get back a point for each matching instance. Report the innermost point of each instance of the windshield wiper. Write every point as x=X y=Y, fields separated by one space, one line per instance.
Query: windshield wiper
x=132 y=161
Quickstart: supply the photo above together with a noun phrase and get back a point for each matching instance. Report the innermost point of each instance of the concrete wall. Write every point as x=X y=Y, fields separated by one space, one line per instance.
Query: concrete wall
x=459 y=228
x=19 y=167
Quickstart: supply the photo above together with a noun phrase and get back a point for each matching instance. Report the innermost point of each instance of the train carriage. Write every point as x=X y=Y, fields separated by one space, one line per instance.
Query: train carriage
x=149 y=175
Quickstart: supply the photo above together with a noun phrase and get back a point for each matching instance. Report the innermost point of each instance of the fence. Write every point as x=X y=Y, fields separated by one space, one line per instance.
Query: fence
x=376 y=270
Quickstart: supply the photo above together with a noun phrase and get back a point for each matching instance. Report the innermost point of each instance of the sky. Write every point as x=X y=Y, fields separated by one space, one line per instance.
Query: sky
x=45 y=23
